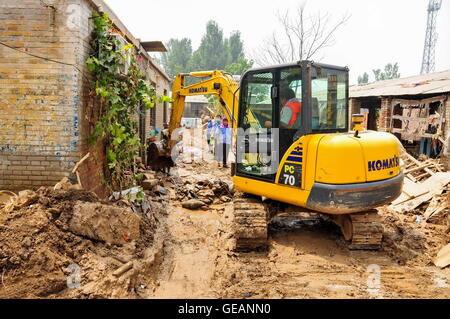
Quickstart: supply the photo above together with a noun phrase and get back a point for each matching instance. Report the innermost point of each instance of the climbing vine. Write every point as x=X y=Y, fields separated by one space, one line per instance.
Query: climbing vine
x=121 y=89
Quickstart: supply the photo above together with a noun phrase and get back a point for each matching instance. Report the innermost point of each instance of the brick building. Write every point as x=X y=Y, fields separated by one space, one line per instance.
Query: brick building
x=416 y=109
x=44 y=103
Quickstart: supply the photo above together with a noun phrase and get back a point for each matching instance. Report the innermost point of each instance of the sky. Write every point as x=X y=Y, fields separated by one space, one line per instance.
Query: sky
x=378 y=32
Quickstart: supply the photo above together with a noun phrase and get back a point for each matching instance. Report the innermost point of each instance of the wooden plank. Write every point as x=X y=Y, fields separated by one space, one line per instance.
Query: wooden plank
x=443 y=257
x=438 y=167
x=436 y=212
x=80 y=162
x=410 y=191
x=418 y=102
x=79 y=180
x=418 y=163
x=412 y=178
x=434 y=205
x=419 y=177
x=435 y=185
x=418 y=168
x=413 y=189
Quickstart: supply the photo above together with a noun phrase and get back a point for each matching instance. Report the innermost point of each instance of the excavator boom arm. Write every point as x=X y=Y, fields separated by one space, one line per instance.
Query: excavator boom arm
x=219 y=83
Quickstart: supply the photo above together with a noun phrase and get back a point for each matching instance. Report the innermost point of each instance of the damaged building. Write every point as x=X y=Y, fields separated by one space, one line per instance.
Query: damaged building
x=416 y=109
x=45 y=100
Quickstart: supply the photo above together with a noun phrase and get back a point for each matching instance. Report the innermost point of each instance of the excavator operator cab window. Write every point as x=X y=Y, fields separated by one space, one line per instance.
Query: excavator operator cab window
x=258 y=102
x=329 y=100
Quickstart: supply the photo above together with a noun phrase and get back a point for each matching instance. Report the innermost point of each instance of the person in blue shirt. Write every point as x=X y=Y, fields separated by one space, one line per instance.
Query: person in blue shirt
x=209 y=124
x=222 y=137
x=211 y=127
x=154 y=131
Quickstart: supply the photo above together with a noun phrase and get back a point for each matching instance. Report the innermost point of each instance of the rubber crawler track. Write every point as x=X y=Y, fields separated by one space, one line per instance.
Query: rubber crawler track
x=367 y=230
x=250 y=224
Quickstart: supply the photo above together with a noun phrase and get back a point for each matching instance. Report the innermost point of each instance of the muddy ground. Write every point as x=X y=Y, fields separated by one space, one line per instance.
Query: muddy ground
x=184 y=253
x=302 y=262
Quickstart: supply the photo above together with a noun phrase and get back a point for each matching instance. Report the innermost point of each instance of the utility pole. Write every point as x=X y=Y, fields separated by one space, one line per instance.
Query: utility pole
x=428 y=62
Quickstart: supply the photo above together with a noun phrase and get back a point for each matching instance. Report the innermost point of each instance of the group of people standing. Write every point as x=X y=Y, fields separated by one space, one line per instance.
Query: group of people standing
x=218 y=136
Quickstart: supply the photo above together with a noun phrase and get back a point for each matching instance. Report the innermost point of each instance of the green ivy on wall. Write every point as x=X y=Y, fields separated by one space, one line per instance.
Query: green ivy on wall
x=121 y=89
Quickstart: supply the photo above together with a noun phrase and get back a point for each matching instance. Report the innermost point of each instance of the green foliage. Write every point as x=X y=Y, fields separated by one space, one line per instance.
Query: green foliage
x=214 y=53
x=390 y=72
x=213 y=50
x=235 y=47
x=239 y=67
x=120 y=96
x=363 y=78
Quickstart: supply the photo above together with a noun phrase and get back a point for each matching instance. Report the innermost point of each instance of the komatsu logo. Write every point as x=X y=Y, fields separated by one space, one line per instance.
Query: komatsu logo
x=384 y=164
x=199 y=90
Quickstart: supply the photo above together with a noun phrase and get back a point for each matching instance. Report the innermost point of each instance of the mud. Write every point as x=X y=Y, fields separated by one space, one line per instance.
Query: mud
x=57 y=244
x=305 y=261
x=184 y=253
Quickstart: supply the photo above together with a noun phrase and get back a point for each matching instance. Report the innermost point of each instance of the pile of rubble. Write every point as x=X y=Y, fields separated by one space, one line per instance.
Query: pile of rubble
x=425 y=189
x=419 y=220
x=64 y=242
x=203 y=190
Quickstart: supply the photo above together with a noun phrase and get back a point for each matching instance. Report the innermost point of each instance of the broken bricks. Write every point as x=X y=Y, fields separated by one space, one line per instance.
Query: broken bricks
x=149 y=184
x=206 y=190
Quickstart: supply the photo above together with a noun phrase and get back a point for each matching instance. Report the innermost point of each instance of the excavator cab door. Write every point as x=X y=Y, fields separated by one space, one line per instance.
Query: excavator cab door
x=256 y=151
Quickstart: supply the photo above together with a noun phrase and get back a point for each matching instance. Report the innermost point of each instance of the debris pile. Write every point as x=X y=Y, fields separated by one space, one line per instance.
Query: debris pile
x=203 y=190
x=409 y=242
x=425 y=189
x=52 y=237
x=417 y=224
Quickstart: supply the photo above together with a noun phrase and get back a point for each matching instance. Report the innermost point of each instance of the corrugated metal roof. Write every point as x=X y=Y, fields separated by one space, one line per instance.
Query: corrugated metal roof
x=432 y=83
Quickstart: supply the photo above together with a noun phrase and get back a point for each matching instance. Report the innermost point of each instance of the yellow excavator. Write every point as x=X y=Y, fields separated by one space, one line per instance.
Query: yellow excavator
x=314 y=163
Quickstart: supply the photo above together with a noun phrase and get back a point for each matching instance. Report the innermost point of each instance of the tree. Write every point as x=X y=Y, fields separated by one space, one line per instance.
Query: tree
x=363 y=78
x=235 y=47
x=216 y=51
x=213 y=50
x=390 y=72
x=176 y=59
x=239 y=67
x=302 y=38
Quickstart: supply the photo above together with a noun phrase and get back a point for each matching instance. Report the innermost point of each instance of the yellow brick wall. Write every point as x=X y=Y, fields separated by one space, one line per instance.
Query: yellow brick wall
x=39 y=101
x=46 y=113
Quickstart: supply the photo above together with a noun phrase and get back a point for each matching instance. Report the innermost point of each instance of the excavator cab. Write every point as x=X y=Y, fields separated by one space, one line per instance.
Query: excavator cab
x=288 y=102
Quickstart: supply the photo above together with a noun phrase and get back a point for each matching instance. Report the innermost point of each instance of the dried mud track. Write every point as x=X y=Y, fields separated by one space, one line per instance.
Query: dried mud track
x=306 y=262
x=190 y=253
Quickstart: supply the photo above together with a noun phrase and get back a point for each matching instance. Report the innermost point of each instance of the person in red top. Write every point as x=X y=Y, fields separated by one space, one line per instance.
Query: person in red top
x=291 y=110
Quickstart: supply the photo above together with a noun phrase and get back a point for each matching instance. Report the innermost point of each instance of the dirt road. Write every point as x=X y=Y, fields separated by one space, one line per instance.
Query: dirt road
x=305 y=262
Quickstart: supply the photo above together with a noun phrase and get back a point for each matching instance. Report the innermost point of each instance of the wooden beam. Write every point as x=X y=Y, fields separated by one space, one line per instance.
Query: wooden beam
x=418 y=168
x=418 y=163
x=80 y=162
x=440 y=98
